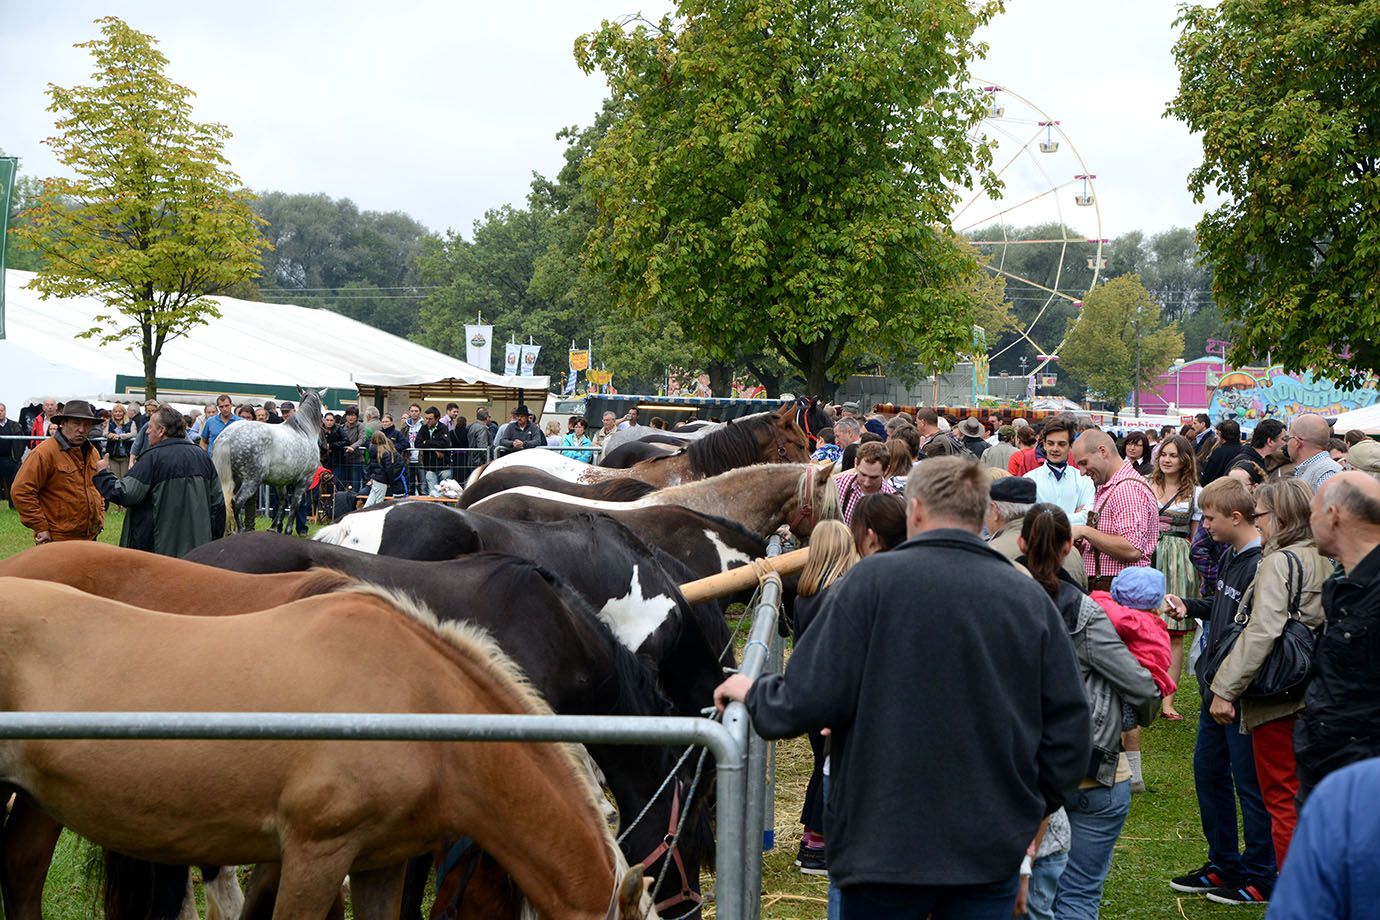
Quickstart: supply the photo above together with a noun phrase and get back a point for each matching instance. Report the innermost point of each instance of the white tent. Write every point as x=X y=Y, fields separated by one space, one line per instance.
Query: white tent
x=253 y=351
x=1366 y=419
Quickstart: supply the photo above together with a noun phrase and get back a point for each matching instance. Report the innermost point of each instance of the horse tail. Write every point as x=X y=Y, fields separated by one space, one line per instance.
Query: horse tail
x=226 y=472
x=478 y=471
x=333 y=533
x=139 y=890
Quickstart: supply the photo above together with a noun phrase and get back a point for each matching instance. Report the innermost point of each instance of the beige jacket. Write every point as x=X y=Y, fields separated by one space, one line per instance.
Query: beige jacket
x=1268 y=596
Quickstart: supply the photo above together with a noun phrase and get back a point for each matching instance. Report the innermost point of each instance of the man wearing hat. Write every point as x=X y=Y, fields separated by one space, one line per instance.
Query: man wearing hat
x=971 y=435
x=520 y=433
x=1011 y=498
x=53 y=490
x=1365 y=456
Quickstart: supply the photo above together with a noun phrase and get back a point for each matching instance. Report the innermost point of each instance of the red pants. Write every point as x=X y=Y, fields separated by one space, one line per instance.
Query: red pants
x=1273 y=743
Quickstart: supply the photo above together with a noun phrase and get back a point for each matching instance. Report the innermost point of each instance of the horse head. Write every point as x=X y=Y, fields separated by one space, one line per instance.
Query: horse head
x=792 y=444
x=309 y=410
x=816 y=499
x=811 y=418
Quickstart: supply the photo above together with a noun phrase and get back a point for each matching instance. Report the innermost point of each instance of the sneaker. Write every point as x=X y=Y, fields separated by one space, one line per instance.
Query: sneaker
x=1207 y=878
x=812 y=861
x=1253 y=892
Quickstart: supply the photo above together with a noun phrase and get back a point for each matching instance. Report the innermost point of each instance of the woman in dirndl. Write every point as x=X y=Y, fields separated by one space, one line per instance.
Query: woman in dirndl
x=1175 y=483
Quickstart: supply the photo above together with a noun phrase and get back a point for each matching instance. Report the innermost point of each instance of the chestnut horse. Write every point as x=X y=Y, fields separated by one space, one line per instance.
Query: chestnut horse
x=323 y=809
x=767 y=437
x=156 y=583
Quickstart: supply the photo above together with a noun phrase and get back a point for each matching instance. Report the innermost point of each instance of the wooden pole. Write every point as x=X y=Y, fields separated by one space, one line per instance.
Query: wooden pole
x=741 y=578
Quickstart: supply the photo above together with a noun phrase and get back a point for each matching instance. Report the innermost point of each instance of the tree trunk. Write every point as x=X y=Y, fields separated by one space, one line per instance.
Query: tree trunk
x=720 y=379
x=150 y=377
x=817 y=381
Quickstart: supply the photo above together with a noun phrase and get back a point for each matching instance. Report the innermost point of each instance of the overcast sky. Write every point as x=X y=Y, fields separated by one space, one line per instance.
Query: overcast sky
x=444 y=109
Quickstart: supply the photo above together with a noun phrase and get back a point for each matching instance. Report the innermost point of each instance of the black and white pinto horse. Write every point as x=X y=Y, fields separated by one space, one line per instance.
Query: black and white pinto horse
x=620 y=489
x=250 y=454
x=565 y=649
x=613 y=570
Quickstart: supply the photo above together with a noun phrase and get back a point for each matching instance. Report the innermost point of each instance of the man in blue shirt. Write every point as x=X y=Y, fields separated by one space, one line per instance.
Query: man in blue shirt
x=1333 y=869
x=214 y=425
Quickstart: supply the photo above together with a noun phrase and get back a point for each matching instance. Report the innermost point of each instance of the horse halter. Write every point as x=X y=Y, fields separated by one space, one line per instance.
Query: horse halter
x=668 y=845
x=802 y=413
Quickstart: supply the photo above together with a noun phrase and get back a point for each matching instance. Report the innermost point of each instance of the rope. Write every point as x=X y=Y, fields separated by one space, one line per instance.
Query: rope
x=655 y=795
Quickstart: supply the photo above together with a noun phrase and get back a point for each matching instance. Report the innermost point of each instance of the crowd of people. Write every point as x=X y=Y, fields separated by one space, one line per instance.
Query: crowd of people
x=982 y=760
x=1257 y=553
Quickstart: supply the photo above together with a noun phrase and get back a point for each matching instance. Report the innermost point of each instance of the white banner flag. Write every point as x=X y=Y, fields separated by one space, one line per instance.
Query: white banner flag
x=529 y=359
x=479 y=345
x=512 y=354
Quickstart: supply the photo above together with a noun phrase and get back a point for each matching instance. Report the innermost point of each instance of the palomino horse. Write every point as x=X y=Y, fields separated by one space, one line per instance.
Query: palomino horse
x=761 y=498
x=323 y=809
x=768 y=437
x=157 y=583
x=249 y=454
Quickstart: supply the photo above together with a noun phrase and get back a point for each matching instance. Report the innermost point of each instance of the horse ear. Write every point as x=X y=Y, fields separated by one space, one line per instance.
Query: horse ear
x=786 y=410
x=631 y=889
x=825 y=471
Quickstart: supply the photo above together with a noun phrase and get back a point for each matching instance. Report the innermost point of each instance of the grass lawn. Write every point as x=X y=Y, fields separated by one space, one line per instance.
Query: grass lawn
x=1162 y=837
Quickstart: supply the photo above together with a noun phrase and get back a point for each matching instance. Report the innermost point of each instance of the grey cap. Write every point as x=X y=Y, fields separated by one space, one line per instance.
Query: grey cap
x=1014 y=489
x=851 y=407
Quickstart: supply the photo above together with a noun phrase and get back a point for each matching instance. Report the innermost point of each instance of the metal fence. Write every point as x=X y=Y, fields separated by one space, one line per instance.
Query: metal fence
x=744 y=809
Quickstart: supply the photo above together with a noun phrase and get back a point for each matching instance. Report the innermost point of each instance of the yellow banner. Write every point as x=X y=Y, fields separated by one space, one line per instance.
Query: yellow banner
x=579 y=360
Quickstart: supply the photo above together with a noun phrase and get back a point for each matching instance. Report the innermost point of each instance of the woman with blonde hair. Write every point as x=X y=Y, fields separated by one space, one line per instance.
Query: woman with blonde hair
x=832 y=553
x=1288 y=585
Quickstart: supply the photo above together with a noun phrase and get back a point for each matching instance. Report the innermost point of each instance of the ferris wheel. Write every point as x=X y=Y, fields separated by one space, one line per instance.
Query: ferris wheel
x=1045 y=184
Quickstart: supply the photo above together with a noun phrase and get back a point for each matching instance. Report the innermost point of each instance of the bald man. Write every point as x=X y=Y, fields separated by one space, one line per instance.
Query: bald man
x=1340 y=723
x=1124 y=524
x=1308 y=438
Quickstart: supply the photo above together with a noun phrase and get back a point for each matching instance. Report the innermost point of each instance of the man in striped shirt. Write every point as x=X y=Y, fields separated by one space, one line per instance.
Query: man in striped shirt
x=1123 y=526
x=867 y=477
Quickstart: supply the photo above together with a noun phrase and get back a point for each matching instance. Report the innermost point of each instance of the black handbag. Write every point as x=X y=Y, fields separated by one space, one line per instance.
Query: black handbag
x=1284 y=675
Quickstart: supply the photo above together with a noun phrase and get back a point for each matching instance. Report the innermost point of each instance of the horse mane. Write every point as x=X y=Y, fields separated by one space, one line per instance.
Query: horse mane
x=730 y=447
x=310 y=406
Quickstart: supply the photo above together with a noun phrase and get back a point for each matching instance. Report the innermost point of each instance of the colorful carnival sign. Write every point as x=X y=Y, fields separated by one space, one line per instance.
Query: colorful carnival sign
x=1251 y=395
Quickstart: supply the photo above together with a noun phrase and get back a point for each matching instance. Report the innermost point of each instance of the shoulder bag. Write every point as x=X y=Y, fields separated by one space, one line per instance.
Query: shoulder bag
x=1283 y=676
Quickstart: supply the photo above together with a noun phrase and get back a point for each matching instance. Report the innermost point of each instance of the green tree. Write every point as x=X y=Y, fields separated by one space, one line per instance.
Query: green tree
x=328 y=253
x=492 y=273
x=153 y=221
x=1285 y=97
x=780 y=173
x=1100 y=346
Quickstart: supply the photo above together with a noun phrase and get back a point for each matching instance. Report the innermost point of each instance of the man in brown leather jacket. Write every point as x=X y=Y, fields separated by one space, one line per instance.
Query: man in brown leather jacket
x=54 y=490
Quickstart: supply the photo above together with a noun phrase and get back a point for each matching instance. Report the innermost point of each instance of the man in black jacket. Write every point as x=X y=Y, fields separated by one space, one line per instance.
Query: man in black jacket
x=954 y=730
x=1266 y=441
x=1340 y=722
x=10 y=452
x=173 y=494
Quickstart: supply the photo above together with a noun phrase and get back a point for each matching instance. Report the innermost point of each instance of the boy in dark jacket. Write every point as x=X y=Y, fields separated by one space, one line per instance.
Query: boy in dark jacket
x=1223 y=758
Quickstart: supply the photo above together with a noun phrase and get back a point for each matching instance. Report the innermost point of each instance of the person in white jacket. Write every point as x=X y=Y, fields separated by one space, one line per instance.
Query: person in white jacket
x=1057 y=481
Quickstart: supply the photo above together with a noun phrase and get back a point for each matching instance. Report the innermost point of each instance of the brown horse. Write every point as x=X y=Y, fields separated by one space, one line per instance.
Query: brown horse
x=156 y=583
x=321 y=808
x=767 y=437
x=762 y=498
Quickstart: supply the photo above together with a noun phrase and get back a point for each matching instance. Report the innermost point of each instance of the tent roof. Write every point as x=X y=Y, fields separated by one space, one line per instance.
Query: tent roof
x=264 y=344
x=1367 y=419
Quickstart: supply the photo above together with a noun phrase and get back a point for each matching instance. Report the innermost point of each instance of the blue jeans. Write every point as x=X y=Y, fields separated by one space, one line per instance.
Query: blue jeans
x=1044 y=885
x=993 y=901
x=1096 y=817
x=1224 y=771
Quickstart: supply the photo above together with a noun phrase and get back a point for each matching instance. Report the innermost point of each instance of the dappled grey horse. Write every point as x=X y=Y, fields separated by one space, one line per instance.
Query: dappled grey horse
x=249 y=454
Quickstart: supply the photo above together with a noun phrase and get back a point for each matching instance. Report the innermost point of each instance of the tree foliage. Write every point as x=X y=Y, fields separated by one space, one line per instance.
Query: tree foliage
x=328 y=253
x=1100 y=347
x=152 y=221
x=1285 y=97
x=779 y=176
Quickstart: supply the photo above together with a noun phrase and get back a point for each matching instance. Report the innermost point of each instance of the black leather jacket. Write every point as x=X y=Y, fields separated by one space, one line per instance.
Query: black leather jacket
x=1340 y=721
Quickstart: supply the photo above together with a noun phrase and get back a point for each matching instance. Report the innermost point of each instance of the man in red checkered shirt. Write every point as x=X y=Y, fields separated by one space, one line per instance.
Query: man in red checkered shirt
x=1124 y=524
